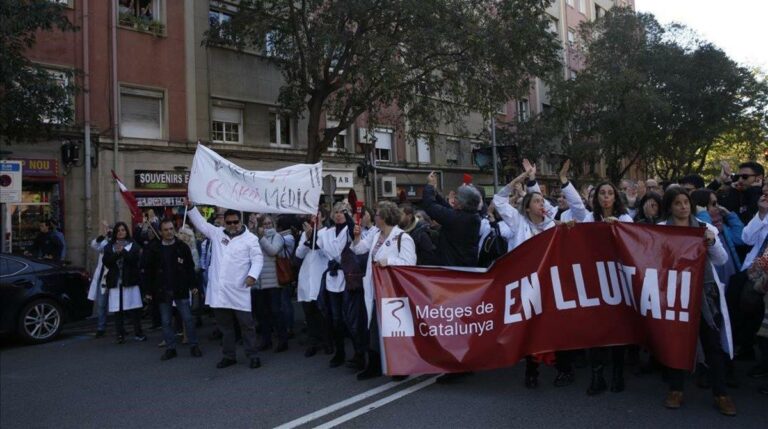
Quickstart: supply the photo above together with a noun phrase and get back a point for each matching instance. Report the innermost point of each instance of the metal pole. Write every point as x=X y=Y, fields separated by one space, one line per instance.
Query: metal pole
x=87 y=132
x=495 y=155
x=115 y=106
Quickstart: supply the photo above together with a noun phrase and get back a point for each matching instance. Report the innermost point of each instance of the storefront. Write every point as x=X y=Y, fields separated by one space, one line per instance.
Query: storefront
x=160 y=193
x=42 y=199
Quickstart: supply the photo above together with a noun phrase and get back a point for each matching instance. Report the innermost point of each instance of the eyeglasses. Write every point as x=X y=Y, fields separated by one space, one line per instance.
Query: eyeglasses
x=741 y=176
x=232 y=222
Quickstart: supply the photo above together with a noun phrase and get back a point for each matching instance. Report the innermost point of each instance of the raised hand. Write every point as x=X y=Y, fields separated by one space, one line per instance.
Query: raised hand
x=432 y=179
x=529 y=168
x=564 y=171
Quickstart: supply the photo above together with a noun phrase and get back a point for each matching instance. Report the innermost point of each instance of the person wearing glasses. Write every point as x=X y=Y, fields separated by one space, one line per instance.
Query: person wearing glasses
x=740 y=192
x=236 y=263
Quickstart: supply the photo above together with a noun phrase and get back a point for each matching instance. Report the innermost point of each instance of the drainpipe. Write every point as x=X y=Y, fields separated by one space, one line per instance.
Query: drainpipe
x=115 y=107
x=87 y=133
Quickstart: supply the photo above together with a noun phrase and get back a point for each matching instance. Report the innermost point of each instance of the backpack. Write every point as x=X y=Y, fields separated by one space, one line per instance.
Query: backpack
x=493 y=247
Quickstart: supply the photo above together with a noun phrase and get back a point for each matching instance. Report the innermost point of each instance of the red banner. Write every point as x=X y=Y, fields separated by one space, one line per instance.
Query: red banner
x=590 y=285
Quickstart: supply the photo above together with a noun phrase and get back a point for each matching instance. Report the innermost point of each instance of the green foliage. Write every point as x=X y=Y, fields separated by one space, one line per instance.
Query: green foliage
x=30 y=98
x=654 y=94
x=435 y=60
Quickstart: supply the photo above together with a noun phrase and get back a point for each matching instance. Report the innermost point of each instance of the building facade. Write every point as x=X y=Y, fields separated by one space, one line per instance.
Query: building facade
x=150 y=91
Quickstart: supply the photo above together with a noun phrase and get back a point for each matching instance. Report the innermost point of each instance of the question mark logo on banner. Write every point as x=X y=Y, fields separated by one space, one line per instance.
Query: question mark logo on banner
x=396 y=318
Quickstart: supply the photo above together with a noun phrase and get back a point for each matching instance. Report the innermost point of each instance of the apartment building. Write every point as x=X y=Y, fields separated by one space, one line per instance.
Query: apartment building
x=150 y=90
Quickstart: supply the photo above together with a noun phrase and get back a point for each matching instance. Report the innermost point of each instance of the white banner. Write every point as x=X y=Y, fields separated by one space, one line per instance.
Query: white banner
x=216 y=181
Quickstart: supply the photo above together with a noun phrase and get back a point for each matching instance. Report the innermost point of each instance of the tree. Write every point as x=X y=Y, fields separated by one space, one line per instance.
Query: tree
x=30 y=97
x=653 y=94
x=417 y=62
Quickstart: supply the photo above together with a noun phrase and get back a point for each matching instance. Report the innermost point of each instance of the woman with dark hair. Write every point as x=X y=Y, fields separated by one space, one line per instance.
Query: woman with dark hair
x=122 y=258
x=728 y=225
x=714 y=326
x=649 y=209
x=607 y=207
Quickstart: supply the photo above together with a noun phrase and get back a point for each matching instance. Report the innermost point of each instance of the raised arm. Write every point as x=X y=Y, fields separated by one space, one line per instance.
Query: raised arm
x=200 y=224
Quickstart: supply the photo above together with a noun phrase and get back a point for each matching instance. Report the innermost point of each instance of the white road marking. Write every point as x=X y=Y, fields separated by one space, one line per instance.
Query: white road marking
x=381 y=402
x=339 y=405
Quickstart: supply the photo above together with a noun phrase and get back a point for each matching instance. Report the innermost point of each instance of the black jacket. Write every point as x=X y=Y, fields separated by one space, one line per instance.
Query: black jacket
x=130 y=265
x=183 y=272
x=426 y=252
x=459 y=231
x=47 y=246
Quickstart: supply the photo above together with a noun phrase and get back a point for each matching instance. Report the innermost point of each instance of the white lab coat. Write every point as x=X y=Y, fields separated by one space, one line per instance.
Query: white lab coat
x=312 y=269
x=754 y=234
x=332 y=245
x=521 y=227
x=131 y=293
x=389 y=252
x=233 y=259
x=95 y=287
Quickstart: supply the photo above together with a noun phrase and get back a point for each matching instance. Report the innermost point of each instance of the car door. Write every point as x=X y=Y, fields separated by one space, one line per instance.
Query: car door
x=17 y=280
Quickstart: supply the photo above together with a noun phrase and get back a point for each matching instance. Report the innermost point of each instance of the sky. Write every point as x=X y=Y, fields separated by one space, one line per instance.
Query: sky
x=738 y=27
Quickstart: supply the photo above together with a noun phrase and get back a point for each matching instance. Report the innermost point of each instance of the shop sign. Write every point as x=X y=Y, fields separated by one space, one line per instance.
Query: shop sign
x=344 y=179
x=39 y=167
x=159 y=201
x=159 y=179
x=10 y=182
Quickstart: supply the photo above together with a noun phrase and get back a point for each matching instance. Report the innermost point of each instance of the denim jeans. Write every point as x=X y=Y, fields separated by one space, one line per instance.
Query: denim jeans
x=102 y=302
x=166 y=314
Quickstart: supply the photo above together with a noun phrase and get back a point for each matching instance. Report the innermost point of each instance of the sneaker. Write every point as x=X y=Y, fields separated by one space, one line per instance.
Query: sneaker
x=195 y=351
x=168 y=354
x=674 y=400
x=725 y=405
x=225 y=362
x=140 y=338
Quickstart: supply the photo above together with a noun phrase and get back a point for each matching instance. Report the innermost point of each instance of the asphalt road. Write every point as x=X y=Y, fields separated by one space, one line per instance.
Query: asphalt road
x=82 y=382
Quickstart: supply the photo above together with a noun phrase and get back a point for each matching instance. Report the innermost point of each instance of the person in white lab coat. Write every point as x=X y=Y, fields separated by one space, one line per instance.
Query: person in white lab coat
x=97 y=293
x=236 y=263
x=310 y=278
x=389 y=246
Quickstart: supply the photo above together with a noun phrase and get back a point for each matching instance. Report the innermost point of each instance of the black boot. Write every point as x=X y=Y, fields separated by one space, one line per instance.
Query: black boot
x=357 y=362
x=373 y=369
x=617 y=379
x=598 y=384
x=338 y=358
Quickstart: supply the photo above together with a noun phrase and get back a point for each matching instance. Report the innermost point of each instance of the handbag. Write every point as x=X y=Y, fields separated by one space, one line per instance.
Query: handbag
x=286 y=274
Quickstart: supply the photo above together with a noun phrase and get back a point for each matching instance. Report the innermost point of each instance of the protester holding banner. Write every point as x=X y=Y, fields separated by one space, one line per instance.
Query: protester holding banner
x=267 y=295
x=314 y=264
x=389 y=246
x=236 y=262
x=714 y=327
x=607 y=207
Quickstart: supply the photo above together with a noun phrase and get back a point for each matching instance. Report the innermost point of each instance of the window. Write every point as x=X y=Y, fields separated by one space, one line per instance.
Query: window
x=423 y=152
x=270 y=39
x=554 y=26
x=383 y=145
x=572 y=74
x=139 y=13
x=62 y=79
x=523 y=110
x=141 y=113
x=452 y=152
x=599 y=12
x=583 y=6
x=279 y=129
x=340 y=141
x=10 y=267
x=571 y=37
x=226 y=125
x=502 y=110
x=570 y=3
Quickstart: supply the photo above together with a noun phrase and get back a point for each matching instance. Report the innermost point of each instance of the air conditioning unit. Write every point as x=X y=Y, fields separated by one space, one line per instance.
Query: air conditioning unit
x=387 y=187
x=364 y=136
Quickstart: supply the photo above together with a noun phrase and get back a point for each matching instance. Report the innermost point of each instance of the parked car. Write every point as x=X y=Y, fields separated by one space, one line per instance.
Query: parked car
x=37 y=297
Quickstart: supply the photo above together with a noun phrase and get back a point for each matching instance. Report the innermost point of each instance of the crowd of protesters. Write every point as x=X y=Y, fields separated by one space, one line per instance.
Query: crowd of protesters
x=250 y=269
